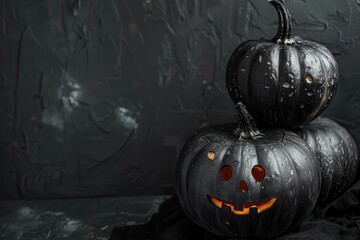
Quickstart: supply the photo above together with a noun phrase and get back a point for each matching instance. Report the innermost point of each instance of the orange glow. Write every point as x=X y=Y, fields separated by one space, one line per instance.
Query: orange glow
x=211 y=155
x=261 y=206
x=309 y=78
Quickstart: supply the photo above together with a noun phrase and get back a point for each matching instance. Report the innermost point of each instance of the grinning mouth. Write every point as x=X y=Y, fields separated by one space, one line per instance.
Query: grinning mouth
x=259 y=206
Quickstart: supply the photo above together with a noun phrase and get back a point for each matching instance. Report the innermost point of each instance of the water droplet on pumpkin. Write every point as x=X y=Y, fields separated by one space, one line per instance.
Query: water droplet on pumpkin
x=310 y=94
x=267 y=87
x=243 y=70
x=286 y=85
x=291 y=94
x=291 y=172
x=309 y=78
x=281 y=99
x=318 y=147
x=302 y=106
x=337 y=148
x=260 y=59
x=268 y=63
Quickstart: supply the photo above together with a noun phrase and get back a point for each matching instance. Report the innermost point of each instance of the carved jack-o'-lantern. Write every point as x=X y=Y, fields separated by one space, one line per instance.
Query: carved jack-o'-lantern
x=258 y=174
x=245 y=183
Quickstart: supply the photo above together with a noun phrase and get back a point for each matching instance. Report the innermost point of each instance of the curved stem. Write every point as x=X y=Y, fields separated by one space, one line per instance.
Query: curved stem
x=247 y=128
x=283 y=35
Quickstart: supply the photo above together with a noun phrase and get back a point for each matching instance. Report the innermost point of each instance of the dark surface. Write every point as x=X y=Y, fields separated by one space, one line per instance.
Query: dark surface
x=73 y=219
x=94 y=219
x=339 y=220
x=97 y=96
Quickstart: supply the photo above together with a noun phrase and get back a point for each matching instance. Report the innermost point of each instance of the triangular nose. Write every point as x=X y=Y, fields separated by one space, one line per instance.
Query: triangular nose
x=243 y=186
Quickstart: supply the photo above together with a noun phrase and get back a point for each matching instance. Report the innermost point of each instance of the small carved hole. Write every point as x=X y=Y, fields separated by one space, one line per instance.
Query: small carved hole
x=309 y=78
x=211 y=155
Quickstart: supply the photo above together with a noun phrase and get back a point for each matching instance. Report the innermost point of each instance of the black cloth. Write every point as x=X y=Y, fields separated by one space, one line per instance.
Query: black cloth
x=338 y=220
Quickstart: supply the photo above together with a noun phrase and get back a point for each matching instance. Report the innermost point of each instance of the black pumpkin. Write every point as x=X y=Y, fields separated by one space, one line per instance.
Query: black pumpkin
x=336 y=152
x=256 y=185
x=284 y=82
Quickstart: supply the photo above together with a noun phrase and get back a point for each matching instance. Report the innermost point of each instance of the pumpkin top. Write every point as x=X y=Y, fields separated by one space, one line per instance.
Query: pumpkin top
x=283 y=35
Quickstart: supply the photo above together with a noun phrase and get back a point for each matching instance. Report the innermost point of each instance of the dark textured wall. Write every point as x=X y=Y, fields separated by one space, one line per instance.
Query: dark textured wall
x=98 y=97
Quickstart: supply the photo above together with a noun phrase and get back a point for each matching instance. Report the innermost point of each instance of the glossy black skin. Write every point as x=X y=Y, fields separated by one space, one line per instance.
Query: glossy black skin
x=337 y=154
x=292 y=177
x=270 y=79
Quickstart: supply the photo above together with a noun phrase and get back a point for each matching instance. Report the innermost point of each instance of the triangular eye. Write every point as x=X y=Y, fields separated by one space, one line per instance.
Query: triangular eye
x=258 y=173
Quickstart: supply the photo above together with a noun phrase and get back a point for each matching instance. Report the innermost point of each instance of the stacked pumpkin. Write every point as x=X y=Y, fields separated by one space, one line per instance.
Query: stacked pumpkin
x=237 y=181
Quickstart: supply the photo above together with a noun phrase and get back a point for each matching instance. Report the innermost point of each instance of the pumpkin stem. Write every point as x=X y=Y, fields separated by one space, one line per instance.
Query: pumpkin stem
x=247 y=128
x=283 y=35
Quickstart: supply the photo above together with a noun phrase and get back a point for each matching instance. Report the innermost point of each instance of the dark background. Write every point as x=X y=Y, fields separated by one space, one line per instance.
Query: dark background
x=98 y=97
